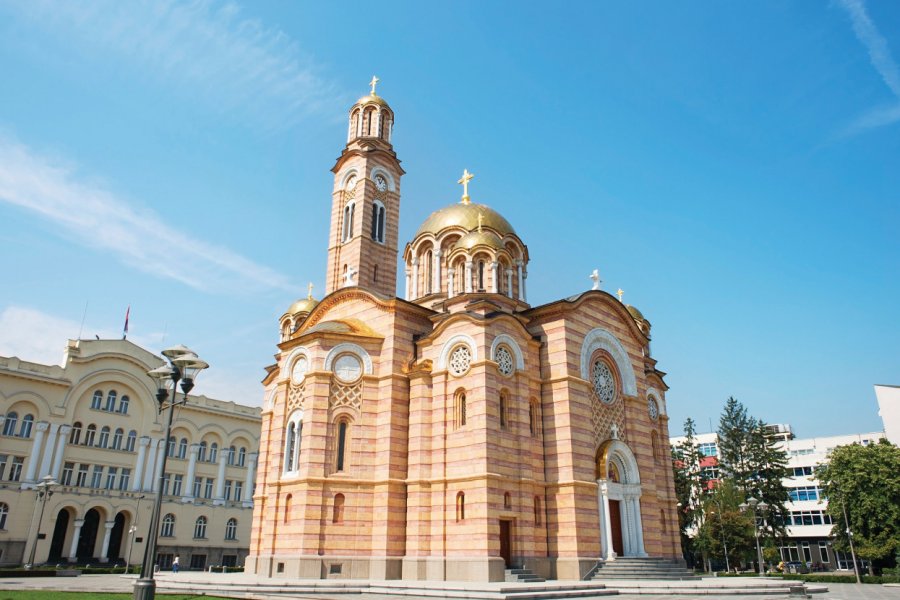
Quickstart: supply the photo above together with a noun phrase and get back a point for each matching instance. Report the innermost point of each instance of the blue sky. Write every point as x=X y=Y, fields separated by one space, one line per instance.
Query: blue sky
x=732 y=166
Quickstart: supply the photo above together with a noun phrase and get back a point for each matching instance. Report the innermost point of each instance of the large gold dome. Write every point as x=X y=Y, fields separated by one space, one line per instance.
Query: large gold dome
x=465 y=216
x=304 y=305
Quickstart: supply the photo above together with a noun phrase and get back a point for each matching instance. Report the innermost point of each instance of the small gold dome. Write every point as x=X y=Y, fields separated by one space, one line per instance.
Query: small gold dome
x=373 y=99
x=304 y=305
x=465 y=216
x=479 y=238
x=635 y=313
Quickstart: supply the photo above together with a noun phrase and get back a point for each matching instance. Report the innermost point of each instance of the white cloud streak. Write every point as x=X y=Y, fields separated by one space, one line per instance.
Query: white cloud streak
x=139 y=238
x=202 y=48
x=881 y=59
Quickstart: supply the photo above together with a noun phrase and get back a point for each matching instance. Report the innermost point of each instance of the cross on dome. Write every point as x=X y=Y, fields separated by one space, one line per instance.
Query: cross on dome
x=309 y=290
x=373 y=83
x=464 y=181
x=595 y=277
x=620 y=293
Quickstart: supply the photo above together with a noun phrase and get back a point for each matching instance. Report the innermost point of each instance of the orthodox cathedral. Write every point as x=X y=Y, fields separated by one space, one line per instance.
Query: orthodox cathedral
x=458 y=431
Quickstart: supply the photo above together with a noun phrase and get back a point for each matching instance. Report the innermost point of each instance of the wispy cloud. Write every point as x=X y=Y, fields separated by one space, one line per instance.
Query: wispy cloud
x=205 y=48
x=880 y=56
x=137 y=237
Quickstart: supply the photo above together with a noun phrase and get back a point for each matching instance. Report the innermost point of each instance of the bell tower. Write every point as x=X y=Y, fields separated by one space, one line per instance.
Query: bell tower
x=365 y=206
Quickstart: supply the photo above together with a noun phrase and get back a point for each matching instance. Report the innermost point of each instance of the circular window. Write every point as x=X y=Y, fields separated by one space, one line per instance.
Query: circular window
x=504 y=360
x=298 y=371
x=347 y=368
x=460 y=360
x=604 y=382
x=652 y=408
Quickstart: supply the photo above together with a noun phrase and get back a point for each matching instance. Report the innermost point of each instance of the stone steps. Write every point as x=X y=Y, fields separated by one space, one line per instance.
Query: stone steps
x=523 y=576
x=641 y=568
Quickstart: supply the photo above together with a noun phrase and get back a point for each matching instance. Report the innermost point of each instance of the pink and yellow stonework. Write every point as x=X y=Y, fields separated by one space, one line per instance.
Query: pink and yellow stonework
x=460 y=431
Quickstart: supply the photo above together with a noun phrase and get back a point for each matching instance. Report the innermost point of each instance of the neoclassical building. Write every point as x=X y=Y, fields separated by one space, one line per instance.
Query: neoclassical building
x=459 y=431
x=92 y=425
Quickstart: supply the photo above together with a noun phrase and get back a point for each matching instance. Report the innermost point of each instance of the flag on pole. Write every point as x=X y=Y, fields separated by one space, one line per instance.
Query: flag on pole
x=125 y=331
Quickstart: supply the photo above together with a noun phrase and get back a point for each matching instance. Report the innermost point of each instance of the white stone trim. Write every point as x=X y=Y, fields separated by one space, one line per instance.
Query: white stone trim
x=509 y=341
x=352 y=349
x=346 y=175
x=460 y=338
x=601 y=339
x=377 y=170
x=289 y=361
x=660 y=399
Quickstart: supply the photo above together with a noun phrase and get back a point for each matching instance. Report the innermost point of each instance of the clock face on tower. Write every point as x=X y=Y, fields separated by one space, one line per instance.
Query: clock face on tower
x=380 y=183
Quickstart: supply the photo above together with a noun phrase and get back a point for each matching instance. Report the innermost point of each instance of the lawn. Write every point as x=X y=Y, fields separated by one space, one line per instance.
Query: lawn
x=55 y=595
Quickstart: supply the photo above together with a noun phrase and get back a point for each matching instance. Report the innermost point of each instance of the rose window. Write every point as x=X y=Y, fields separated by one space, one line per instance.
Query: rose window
x=460 y=360
x=604 y=382
x=652 y=408
x=504 y=360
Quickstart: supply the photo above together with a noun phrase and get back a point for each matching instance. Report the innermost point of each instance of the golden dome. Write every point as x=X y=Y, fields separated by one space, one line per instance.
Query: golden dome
x=635 y=313
x=373 y=99
x=465 y=216
x=479 y=238
x=304 y=305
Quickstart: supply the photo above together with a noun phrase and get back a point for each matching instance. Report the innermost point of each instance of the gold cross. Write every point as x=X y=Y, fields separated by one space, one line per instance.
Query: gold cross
x=464 y=181
x=373 y=83
x=620 y=293
x=309 y=292
x=480 y=220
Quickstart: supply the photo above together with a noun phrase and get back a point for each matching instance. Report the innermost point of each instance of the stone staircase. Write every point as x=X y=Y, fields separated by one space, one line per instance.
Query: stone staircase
x=517 y=575
x=641 y=568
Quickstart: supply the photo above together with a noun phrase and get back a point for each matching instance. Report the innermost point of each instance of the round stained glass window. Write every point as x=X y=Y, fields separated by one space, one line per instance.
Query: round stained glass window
x=460 y=360
x=347 y=368
x=652 y=408
x=504 y=360
x=604 y=382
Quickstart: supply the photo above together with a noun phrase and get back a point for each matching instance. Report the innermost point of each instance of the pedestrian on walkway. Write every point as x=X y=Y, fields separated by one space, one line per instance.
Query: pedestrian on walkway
x=175 y=565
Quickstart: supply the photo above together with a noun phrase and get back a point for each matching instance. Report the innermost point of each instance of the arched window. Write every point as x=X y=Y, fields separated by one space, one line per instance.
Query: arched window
x=460 y=506
x=534 y=418
x=27 y=423
x=429 y=273
x=231 y=529
x=9 y=425
x=75 y=435
x=117 y=439
x=201 y=452
x=132 y=440
x=168 y=526
x=4 y=513
x=242 y=456
x=213 y=452
x=200 y=528
x=480 y=287
x=123 y=405
x=170 y=447
x=103 y=442
x=111 y=401
x=182 y=448
x=378 y=221
x=537 y=510
x=654 y=444
x=337 y=513
x=341 y=451
x=504 y=407
x=89 y=435
x=232 y=454
x=349 y=211
x=459 y=408
x=289 y=443
x=97 y=400
x=287 y=507
x=507 y=500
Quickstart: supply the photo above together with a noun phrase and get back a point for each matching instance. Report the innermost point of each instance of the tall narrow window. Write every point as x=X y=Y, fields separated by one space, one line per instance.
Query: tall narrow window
x=104 y=437
x=377 y=229
x=429 y=277
x=460 y=506
x=117 y=439
x=123 y=405
x=460 y=408
x=287 y=506
x=337 y=515
x=200 y=527
x=132 y=440
x=97 y=400
x=201 y=452
x=170 y=447
x=480 y=287
x=89 y=435
x=299 y=442
x=504 y=407
x=381 y=221
x=349 y=211
x=27 y=423
x=9 y=425
x=213 y=452
x=75 y=435
x=111 y=401
x=231 y=529
x=168 y=526
x=537 y=510
x=341 y=444
x=4 y=513
x=654 y=445
x=289 y=448
x=182 y=448
x=242 y=456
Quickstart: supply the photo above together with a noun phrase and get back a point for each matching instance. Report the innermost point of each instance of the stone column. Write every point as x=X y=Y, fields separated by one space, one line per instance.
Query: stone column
x=76 y=537
x=495 y=285
x=192 y=469
x=521 y=281
x=35 y=454
x=160 y=448
x=48 y=450
x=415 y=278
x=149 y=468
x=468 y=283
x=139 y=463
x=509 y=288
x=220 y=479
x=638 y=527
x=60 y=450
x=451 y=273
x=606 y=545
x=436 y=270
x=408 y=284
x=104 y=550
x=248 y=483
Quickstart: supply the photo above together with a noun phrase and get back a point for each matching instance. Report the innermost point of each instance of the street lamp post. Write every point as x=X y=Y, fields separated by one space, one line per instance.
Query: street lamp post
x=718 y=511
x=44 y=492
x=132 y=531
x=752 y=503
x=184 y=365
x=850 y=539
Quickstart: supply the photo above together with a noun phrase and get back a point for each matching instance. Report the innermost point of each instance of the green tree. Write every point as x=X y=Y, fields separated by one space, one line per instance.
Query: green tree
x=735 y=427
x=866 y=481
x=725 y=526
x=767 y=461
x=690 y=485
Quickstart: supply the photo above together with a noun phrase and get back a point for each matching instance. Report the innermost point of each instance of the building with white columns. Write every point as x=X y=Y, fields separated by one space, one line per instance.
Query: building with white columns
x=93 y=426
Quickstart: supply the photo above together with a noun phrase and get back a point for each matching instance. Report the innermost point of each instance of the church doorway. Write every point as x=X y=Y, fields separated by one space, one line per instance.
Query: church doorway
x=88 y=538
x=59 y=536
x=115 y=539
x=615 y=527
x=506 y=542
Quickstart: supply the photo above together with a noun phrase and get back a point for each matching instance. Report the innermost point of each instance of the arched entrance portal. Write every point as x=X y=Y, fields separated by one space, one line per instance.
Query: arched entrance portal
x=115 y=538
x=59 y=535
x=619 y=501
x=88 y=538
